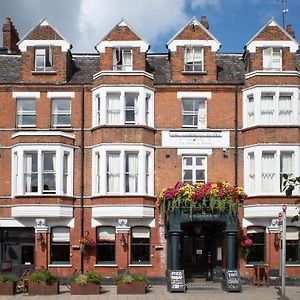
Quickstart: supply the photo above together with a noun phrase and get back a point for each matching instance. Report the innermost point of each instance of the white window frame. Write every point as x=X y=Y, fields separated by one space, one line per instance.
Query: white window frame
x=131 y=108
x=18 y=165
x=61 y=112
x=193 y=167
x=250 y=110
x=43 y=52
x=192 y=62
x=118 y=59
x=21 y=113
x=277 y=91
x=258 y=151
x=101 y=153
x=200 y=114
x=142 y=117
x=271 y=56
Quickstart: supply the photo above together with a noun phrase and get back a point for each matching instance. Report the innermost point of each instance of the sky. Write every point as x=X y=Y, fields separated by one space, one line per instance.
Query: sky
x=84 y=23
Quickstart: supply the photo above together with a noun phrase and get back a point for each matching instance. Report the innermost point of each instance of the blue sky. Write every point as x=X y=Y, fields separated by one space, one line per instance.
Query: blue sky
x=84 y=22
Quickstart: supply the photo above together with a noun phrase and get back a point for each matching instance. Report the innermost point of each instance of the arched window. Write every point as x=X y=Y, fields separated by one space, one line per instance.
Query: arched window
x=257 y=249
x=140 y=245
x=60 y=245
x=106 y=245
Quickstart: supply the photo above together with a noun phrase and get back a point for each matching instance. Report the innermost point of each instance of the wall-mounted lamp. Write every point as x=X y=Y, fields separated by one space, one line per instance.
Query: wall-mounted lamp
x=225 y=152
x=276 y=240
x=123 y=241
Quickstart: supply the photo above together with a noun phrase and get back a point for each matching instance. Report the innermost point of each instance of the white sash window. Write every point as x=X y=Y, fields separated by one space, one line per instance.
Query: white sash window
x=194 y=113
x=268 y=172
x=272 y=59
x=113 y=172
x=113 y=108
x=285 y=111
x=131 y=172
x=267 y=108
x=251 y=161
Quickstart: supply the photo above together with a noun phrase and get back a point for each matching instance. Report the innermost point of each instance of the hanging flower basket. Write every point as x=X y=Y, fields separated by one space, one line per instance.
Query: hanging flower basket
x=86 y=242
x=245 y=245
x=211 y=197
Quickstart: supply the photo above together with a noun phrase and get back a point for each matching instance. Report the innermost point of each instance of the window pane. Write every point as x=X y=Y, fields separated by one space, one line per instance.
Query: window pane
x=140 y=245
x=131 y=172
x=187 y=161
x=30 y=172
x=257 y=250
x=49 y=176
x=200 y=175
x=106 y=248
x=113 y=172
x=60 y=253
x=188 y=176
x=26 y=120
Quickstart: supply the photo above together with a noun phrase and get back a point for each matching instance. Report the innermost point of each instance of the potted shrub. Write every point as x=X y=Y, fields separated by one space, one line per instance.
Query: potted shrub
x=43 y=282
x=131 y=284
x=86 y=284
x=8 y=284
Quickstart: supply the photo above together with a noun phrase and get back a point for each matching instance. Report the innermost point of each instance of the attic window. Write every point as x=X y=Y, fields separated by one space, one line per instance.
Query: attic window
x=272 y=59
x=122 y=60
x=193 y=59
x=44 y=59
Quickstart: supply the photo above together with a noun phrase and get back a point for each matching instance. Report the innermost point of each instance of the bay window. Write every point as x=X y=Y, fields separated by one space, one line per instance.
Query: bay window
x=106 y=245
x=127 y=170
x=140 y=245
x=123 y=105
x=264 y=168
x=44 y=169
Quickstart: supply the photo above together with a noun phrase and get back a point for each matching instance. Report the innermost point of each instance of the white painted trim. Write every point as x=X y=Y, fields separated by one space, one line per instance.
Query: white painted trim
x=123 y=44
x=194 y=151
x=54 y=211
x=44 y=23
x=43 y=133
x=214 y=44
x=60 y=94
x=131 y=222
x=272 y=73
x=59 y=266
x=140 y=265
x=291 y=44
x=268 y=211
x=206 y=95
x=123 y=73
x=31 y=222
x=105 y=265
x=129 y=211
x=65 y=46
x=26 y=94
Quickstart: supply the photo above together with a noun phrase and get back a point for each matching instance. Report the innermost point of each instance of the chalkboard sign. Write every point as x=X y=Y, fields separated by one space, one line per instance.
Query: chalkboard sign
x=176 y=281
x=233 y=281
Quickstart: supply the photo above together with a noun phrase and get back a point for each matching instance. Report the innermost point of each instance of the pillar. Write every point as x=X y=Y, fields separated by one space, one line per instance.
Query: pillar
x=174 y=244
x=230 y=251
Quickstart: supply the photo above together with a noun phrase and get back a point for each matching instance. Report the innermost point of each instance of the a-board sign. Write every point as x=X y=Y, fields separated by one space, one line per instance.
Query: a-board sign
x=233 y=281
x=176 y=281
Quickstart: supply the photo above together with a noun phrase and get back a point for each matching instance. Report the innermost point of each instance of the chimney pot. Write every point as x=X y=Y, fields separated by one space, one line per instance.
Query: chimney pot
x=10 y=36
x=289 y=29
x=204 y=22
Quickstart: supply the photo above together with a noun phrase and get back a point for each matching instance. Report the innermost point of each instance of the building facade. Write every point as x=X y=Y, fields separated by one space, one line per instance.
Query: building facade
x=87 y=142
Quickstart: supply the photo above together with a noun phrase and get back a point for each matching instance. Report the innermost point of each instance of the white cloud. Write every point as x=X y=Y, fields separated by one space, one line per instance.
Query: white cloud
x=149 y=18
x=203 y=3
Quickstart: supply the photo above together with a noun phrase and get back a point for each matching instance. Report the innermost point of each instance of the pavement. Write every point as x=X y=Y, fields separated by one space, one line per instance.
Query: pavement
x=159 y=292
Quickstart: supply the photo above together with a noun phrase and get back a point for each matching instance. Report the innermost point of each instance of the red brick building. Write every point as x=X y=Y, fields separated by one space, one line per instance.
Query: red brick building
x=87 y=141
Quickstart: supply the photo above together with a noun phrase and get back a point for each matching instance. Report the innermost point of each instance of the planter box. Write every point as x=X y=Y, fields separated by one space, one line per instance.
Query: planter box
x=8 y=288
x=41 y=288
x=134 y=287
x=88 y=289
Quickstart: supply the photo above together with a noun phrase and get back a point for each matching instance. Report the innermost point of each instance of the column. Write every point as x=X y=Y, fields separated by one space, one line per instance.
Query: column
x=231 y=241
x=174 y=244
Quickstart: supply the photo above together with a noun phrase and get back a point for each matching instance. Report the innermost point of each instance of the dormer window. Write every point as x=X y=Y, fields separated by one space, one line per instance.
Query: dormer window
x=272 y=59
x=44 y=59
x=193 y=59
x=122 y=60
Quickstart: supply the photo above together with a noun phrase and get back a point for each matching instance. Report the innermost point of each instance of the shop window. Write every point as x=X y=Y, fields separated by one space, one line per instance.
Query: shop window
x=140 y=245
x=292 y=245
x=106 y=245
x=60 y=245
x=257 y=250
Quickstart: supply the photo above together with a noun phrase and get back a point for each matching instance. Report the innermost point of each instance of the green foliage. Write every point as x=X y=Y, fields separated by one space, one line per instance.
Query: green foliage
x=43 y=276
x=8 y=278
x=83 y=279
x=127 y=278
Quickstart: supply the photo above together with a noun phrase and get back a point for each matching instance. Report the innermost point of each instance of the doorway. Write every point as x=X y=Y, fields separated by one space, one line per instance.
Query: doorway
x=17 y=248
x=201 y=244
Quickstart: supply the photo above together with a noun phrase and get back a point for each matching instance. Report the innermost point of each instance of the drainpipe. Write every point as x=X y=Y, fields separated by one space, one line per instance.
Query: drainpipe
x=236 y=137
x=82 y=176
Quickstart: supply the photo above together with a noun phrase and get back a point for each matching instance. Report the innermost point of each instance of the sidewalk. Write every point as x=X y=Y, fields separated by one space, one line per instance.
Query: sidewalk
x=159 y=292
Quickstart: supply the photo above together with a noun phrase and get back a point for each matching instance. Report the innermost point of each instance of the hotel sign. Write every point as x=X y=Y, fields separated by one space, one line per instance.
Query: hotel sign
x=197 y=139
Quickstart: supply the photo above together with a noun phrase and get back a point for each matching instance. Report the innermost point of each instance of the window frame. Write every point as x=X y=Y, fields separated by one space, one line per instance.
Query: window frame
x=118 y=63
x=66 y=244
x=46 y=172
x=134 y=244
x=193 y=63
x=46 y=53
x=21 y=113
x=194 y=167
x=195 y=114
x=58 y=113
x=263 y=231
x=297 y=244
x=272 y=57
x=101 y=244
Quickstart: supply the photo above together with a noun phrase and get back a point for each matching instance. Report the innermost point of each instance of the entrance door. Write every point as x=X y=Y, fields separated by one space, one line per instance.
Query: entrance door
x=17 y=247
x=198 y=247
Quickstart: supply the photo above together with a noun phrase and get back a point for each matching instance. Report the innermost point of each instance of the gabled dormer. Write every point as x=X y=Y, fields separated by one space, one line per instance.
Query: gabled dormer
x=122 y=49
x=271 y=50
x=193 y=53
x=45 y=54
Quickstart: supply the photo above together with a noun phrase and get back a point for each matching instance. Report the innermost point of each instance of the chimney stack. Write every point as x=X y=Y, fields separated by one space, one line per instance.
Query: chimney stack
x=204 y=22
x=290 y=30
x=10 y=37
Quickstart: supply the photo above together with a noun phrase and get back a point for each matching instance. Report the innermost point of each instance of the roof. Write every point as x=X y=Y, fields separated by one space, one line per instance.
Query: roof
x=160 y=67
x=10 y=68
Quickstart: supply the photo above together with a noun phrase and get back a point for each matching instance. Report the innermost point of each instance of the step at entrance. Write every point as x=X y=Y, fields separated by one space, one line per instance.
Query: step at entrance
x=202 y=284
